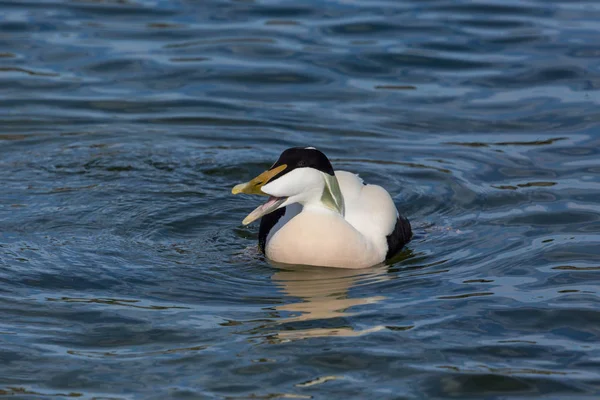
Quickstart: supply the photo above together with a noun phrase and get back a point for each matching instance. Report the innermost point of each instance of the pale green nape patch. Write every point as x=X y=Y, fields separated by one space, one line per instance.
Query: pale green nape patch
x=332 y=194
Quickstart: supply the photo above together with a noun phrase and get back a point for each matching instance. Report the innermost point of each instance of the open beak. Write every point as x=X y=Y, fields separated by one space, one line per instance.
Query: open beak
x=254 y=187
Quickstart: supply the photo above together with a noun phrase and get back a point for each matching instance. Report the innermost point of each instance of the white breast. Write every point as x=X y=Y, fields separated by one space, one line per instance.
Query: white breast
x=321 y=238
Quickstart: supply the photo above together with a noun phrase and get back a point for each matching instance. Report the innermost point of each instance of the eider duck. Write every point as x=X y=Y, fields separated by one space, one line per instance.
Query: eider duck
x=321 y=217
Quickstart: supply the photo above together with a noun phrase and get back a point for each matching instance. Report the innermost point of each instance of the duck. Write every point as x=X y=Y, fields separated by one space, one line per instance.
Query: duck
x=316 y=216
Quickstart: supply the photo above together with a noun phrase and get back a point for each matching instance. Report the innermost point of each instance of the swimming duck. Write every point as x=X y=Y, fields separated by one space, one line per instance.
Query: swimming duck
x=321 y=217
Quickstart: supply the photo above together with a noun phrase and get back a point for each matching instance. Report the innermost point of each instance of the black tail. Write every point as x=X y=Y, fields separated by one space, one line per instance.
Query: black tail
x=399 y=237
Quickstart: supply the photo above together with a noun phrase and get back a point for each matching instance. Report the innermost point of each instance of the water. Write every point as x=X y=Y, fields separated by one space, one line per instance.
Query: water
x=125 y=272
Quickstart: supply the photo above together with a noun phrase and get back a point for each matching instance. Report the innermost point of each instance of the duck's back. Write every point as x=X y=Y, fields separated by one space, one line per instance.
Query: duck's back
x=371 y=210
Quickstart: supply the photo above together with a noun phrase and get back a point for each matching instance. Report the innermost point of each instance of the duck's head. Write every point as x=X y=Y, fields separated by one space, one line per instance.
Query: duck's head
x=301 y=175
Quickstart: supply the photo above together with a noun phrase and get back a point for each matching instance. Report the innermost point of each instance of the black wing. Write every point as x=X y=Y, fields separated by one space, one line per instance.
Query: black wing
x=267 y=222
x=398 y=238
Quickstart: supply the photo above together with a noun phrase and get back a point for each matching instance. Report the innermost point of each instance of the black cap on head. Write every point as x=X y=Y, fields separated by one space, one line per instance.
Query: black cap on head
x=303 y=157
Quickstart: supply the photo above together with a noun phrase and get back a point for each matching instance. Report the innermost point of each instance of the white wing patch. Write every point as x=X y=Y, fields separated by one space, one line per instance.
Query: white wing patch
x=369 y=208
x=361 y=180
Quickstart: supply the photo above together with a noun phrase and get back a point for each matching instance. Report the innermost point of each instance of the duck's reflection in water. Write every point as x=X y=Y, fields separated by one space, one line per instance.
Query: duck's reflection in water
x=324 y=300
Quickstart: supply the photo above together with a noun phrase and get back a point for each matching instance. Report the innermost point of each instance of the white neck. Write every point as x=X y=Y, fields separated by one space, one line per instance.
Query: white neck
x=329 y=198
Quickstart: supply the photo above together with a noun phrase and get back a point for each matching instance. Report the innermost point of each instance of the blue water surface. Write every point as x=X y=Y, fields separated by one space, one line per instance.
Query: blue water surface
x=125 y=271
